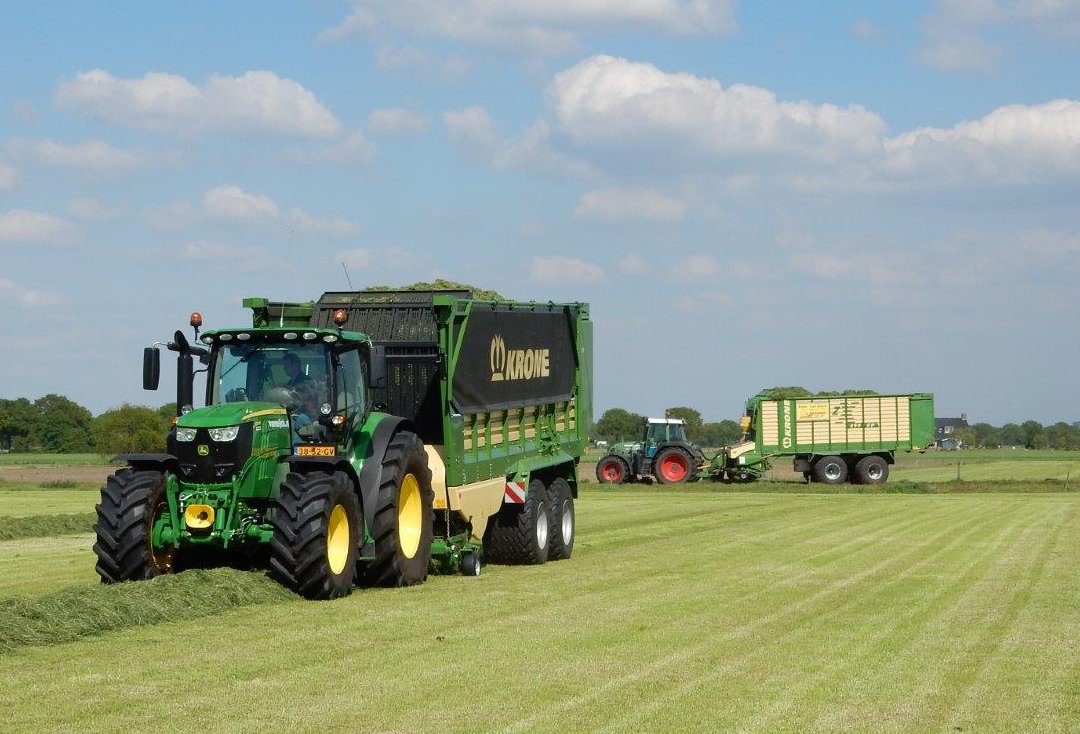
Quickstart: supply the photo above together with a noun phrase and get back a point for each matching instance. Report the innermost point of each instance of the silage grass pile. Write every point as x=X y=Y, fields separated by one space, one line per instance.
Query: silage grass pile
x=84 y=610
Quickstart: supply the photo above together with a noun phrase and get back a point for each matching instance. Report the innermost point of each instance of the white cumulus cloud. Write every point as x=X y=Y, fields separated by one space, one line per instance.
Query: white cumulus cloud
x=560 y=270
x=232 y=202
x=367 y=258
x=616 y=102
x=957 y=33
x=330 y=226
x=217 y=251
x=20 y=225
x=535 y=26
x=621 y=205
x=1012 y=144
x=93 y=209
x=256 y=102
x=9 y=177
x=396 y=121
x=85 y=154
x=352 y=150
x=13 y=292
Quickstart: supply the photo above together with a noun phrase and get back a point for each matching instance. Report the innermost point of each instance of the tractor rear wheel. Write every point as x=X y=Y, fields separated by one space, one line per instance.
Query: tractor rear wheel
x=131 y=503
x=402 y=522
x=673 y=465
x=520 y=533
x=831 y=470
x=612 y=469
x=871 y=470
x=562 y=520
x=316 y=535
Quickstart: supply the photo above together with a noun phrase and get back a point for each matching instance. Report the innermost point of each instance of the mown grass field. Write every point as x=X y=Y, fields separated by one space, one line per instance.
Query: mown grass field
x=686 y=609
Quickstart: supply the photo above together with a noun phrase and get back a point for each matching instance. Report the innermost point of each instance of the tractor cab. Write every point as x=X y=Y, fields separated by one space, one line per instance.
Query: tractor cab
x=660 y=431
x=311 y=379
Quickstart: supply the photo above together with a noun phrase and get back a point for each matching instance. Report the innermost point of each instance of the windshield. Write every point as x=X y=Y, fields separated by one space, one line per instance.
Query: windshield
x=293 y=375
x=298 y=376
x=661 y=432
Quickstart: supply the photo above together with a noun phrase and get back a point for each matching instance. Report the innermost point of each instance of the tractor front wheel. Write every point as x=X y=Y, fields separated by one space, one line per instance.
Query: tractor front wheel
x=672 y=466
x=612 y=469
x=131 y=504
x=402 y=523
x=316 y=535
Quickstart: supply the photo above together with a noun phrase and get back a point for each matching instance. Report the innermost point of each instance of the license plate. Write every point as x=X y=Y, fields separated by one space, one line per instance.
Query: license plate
x=309 y=450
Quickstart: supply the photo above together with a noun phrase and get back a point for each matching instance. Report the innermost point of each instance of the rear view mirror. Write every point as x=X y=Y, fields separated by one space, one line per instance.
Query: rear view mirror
x=151 y=368
x=377 y=369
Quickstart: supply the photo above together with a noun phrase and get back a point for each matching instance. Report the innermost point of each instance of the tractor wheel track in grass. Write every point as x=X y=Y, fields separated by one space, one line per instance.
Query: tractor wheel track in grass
x=847 y=656
x=823 y=598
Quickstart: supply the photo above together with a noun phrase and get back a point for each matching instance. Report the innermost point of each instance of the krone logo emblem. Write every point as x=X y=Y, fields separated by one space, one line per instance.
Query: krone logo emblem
x=518 y=364
x=498 y=358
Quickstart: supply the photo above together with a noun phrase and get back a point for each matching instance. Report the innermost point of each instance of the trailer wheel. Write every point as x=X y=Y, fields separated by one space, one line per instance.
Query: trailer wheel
x=830 y=470
x=520 y=533
x=316 y=535
x=402 y=522
x=871 y=470
x=612 y=469
x=562 y=520
x=672 y=466
x=131 y=503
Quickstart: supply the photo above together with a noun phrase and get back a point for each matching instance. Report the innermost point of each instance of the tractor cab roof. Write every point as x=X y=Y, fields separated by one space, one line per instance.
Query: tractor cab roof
x=282 y=334
x=667 y=421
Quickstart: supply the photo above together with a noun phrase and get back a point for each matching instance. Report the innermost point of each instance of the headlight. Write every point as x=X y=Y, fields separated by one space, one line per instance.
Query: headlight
x=185 y=434
x=224 y=434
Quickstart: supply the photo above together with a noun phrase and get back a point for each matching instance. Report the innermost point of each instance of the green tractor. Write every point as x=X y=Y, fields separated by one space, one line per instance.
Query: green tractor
x=289 y=458
x=664 y=453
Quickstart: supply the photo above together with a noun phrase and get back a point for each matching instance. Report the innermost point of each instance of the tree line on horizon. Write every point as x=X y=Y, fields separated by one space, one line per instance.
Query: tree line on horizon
x=56 y=424
x=619 y=424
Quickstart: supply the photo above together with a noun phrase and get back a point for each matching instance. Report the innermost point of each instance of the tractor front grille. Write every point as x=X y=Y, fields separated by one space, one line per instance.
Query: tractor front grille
x=205 y=461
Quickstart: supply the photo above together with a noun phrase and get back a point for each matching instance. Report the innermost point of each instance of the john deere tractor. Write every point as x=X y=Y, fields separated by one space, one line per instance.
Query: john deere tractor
x=664 y=453
x=289 y=456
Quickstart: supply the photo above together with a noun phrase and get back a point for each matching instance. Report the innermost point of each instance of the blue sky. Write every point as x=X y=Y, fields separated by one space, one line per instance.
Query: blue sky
x=834 y=195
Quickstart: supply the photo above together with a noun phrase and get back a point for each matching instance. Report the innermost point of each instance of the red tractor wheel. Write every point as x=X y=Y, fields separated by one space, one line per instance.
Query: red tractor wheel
x=612 y=469
x=672 y=466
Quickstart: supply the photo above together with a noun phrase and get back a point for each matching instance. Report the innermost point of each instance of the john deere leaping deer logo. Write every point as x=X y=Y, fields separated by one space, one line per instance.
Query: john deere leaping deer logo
x=518 y=364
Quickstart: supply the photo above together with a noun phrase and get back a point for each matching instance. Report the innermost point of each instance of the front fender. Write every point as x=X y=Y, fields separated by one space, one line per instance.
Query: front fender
x=150 y=462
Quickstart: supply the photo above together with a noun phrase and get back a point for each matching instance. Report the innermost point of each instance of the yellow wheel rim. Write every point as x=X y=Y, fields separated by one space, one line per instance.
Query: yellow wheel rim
x=409 y=516
x=162 y=559
x=337 y=539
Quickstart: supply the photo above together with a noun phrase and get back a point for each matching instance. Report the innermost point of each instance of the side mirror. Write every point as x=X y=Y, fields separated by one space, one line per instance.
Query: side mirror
x=151 y=368
x=377 y=371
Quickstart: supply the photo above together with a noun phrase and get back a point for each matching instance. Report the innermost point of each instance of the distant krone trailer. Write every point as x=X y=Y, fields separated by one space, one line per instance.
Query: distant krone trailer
x=831 y=439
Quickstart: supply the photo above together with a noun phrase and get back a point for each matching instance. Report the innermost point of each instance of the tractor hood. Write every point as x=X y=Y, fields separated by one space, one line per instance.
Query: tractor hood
x=229 y=414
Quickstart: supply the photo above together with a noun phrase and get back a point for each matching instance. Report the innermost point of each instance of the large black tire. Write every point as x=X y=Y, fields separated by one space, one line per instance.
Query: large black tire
x=131 y=502
x=673 y=465
x=612 y=469
x=563 y=521
x=871 y=470
x=520 y=533
x=830 y=470
x=316 y=535
x=402 y=522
